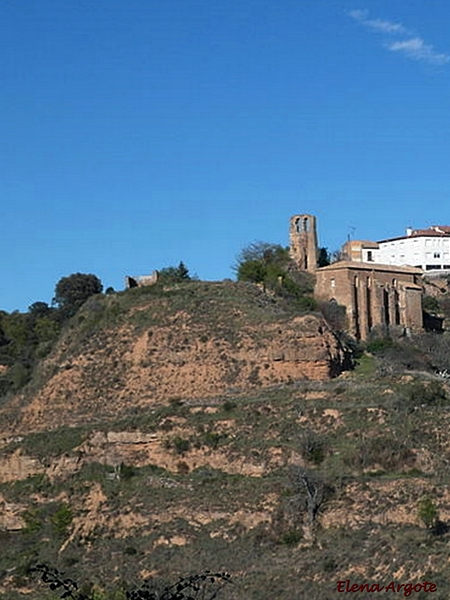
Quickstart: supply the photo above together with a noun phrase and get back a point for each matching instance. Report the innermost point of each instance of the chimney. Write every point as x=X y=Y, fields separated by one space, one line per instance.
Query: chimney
x=409 y=231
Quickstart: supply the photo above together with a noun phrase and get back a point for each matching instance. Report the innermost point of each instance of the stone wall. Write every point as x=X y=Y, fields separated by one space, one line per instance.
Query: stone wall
x=141 y=280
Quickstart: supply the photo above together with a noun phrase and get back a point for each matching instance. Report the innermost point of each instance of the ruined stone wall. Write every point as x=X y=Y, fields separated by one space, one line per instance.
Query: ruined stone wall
x=141 y=280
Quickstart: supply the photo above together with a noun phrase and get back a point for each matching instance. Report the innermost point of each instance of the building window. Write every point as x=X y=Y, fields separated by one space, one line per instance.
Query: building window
x=432 y=267
x=369 y=256
x=437 y=255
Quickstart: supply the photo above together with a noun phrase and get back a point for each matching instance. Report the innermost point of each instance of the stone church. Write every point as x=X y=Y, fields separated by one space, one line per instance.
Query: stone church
x=375 y=295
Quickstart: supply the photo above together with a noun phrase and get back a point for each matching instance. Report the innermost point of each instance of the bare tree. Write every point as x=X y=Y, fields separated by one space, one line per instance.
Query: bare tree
x=309 y=494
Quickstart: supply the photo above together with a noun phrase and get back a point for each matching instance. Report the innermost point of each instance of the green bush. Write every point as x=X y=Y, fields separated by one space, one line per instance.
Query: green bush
x=62 y=519
x=212 y=439
x=229 y=405
x=427 y=512
x=127 y=471
x=379 y=345
x=292 y=537
x=270 y=265
x=432 y=393
x=312 y=448
x=181 y=445
x=430 y=304
x=389 y=452
x=32 y=521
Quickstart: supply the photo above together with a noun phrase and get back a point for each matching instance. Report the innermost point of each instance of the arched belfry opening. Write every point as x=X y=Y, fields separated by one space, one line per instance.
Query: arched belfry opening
x=303 y=242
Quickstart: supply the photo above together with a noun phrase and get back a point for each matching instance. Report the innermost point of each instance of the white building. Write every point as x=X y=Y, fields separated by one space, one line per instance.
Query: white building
x=428 y=249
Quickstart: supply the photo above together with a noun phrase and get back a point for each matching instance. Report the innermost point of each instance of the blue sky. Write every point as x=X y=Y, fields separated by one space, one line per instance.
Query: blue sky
x=135 y=134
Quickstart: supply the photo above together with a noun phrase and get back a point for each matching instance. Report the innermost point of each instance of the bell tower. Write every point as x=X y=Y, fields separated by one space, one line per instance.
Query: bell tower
x=303 y=242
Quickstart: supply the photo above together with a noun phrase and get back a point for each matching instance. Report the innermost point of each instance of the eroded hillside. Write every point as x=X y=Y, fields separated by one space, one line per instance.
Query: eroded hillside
x=117 y=464
x=195 y=484
x=187 y=341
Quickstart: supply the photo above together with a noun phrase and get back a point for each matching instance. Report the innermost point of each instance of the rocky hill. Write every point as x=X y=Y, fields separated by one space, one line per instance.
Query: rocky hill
x=197 y=427
x=182 y=342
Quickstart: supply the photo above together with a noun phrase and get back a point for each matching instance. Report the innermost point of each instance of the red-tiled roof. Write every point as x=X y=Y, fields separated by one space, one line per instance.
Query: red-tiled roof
x=444 y=228
x=434 y=231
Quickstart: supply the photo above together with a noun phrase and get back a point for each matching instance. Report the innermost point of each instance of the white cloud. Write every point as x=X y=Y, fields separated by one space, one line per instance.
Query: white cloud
x=414 y=47
x=417 y=49
x=378 y=24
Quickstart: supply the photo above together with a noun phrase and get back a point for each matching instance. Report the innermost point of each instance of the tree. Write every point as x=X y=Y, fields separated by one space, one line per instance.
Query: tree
x=39 y=309
x=310 y=493
x=260 y=261
x=73 y=291
x=174 y=274
x=323 y=257
x=270 y=265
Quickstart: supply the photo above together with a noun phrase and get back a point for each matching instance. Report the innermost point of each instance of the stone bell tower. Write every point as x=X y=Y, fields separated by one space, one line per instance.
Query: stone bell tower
x=303 y=242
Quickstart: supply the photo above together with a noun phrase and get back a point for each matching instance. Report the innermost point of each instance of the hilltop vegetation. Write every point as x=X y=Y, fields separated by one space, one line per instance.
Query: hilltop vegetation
x=25 y=338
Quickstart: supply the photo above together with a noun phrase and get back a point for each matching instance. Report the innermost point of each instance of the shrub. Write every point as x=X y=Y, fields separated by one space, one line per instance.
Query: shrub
x=307 y=303
x=181 y=445
x=379 y=345
x=212 y=439
x=126 y=471
x=427 y=512
x=292 y=537
x=229 y=405
x=312 y=447
x=430 y=304
x=388 y=452
x=32 y=521
x=430 y=394
x=62 y=518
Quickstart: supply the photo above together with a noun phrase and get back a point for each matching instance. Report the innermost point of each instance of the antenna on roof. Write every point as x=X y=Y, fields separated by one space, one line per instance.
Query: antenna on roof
x=351 y=232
